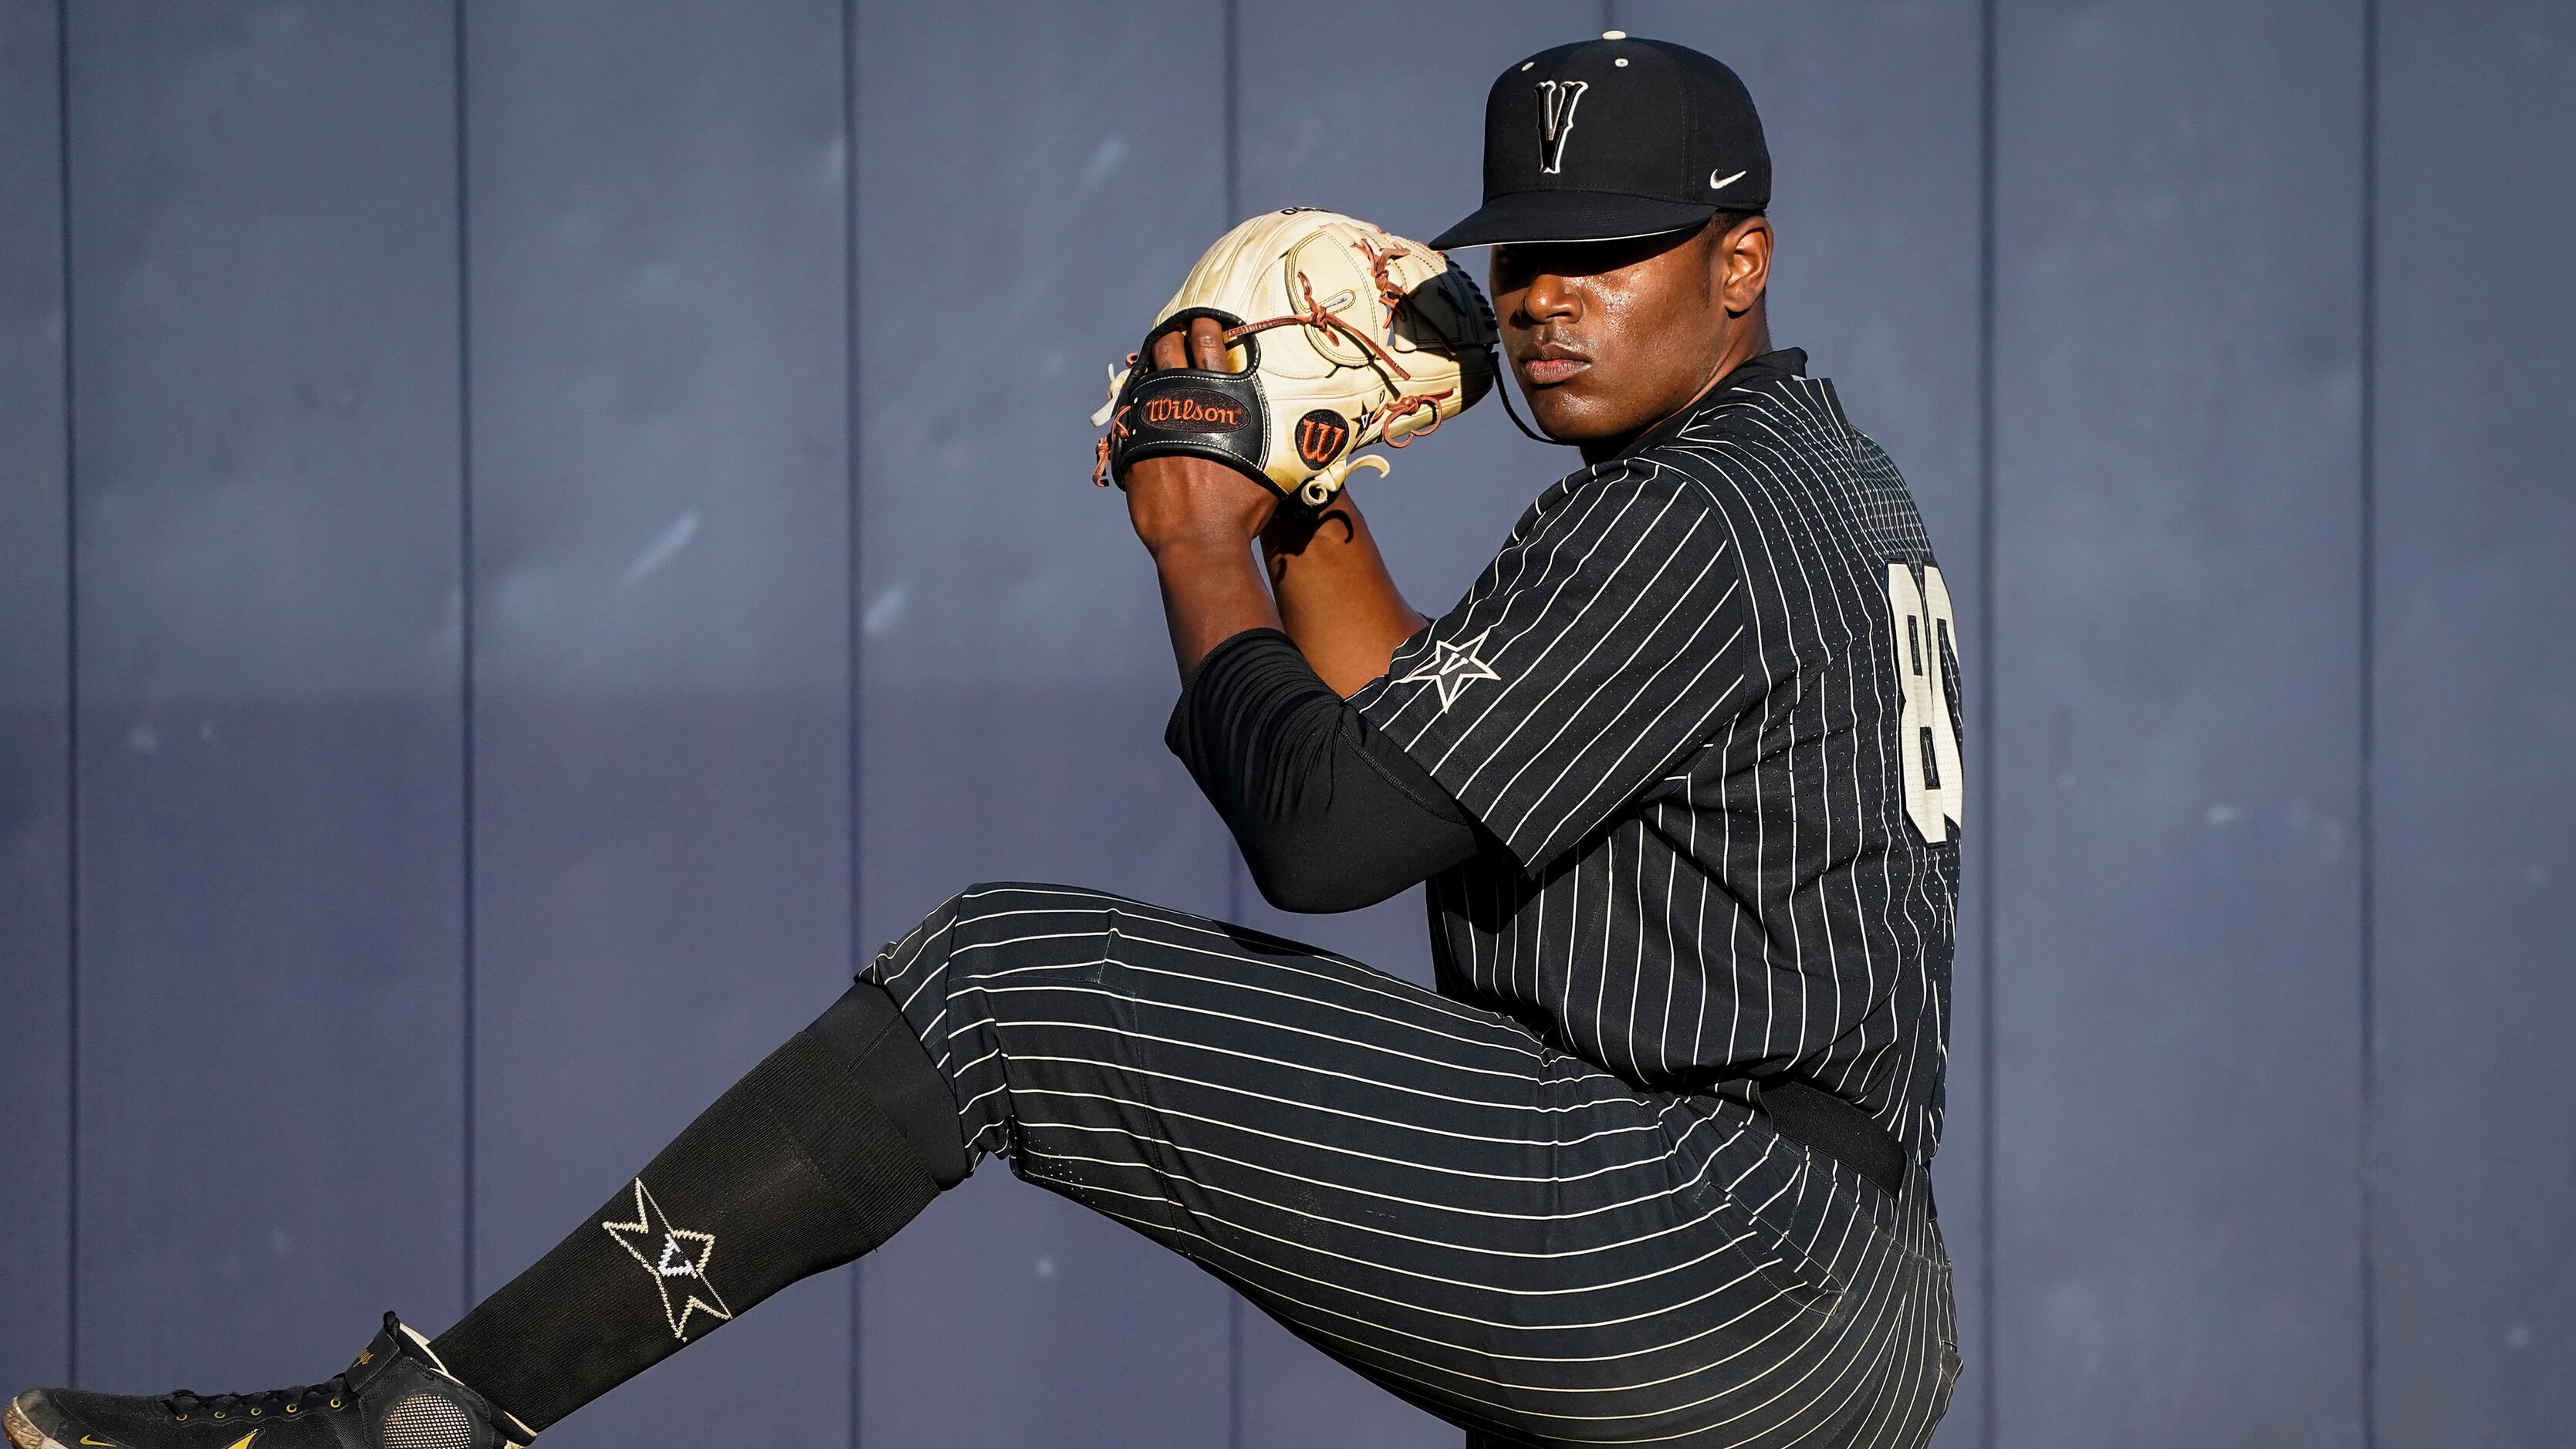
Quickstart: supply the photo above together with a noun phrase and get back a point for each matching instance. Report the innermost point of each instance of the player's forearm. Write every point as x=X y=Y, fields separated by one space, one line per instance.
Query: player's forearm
x=1198 y=519
x=1335 y=596
x=1212 y=591
x=1331 y=815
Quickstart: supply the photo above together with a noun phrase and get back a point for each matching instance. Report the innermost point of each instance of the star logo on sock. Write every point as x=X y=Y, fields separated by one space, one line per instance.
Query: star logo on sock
x=1451 y=668
x=676 y=1258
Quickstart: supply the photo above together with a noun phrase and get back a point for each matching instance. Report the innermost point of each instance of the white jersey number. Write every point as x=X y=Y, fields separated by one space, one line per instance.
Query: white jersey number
x=1929 y=739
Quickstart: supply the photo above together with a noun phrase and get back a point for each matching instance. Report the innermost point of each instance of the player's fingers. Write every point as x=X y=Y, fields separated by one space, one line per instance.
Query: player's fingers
x=1170 y=351
x=1207 y=344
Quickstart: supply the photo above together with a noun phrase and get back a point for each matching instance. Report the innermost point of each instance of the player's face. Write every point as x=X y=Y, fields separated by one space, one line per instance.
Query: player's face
x=1609 y=338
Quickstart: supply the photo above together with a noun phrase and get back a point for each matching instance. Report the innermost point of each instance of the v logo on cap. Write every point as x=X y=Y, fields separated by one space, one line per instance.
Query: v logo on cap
x=1676 y=139
x=1556 y=103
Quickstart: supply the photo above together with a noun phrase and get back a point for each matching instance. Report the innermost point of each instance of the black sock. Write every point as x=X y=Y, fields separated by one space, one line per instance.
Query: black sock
x=815 y=1157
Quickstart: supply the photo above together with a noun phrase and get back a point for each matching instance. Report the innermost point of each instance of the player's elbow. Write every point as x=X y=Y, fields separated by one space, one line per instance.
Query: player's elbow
x=1313 y=881
x=1343 y=865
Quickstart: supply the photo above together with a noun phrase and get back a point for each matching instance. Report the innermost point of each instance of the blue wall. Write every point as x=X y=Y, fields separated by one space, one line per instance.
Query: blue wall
x=533 y=534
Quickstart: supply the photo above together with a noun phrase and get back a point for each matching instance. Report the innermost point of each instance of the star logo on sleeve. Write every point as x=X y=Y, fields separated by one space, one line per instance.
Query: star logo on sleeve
x=1451 y=668
x=676 y=1259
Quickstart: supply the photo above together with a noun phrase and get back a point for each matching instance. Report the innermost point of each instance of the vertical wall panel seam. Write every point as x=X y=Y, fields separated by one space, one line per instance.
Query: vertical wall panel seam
x=1238 y=873
x=1993 y=635
x=71 y=706
x=851 y=694
x=465 y=653
x=2368 y=485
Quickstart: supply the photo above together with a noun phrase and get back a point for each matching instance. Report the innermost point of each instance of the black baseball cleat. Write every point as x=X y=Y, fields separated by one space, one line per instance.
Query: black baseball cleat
x=397 y=1395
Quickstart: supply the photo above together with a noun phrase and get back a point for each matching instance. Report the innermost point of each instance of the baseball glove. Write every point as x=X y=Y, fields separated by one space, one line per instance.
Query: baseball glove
x=1338 y=335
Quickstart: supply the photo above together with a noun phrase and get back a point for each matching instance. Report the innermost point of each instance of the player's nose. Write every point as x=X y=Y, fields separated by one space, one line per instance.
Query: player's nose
x=1549 y=298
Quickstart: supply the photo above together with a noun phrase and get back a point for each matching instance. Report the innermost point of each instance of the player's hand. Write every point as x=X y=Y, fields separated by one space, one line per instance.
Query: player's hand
x=1180 y=503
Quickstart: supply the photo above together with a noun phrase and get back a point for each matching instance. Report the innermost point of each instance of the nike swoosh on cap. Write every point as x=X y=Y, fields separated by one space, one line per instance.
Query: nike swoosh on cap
x=1716 y=185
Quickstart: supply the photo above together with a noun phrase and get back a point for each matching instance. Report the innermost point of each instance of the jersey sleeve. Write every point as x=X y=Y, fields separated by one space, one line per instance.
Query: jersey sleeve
x=1609 y=637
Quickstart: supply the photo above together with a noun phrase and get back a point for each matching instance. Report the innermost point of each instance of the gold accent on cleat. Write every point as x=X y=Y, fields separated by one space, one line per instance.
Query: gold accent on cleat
x=110 y=1443
x=21 y=1430
x=365 y=1354
x=244 y=1441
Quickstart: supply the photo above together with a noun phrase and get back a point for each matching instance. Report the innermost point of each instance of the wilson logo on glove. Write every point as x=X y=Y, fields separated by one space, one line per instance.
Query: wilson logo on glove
x=1193 y=412
x=1320 y=435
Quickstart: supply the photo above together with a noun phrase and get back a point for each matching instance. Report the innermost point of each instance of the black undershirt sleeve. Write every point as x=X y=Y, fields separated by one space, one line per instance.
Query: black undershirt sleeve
x=1331 y=815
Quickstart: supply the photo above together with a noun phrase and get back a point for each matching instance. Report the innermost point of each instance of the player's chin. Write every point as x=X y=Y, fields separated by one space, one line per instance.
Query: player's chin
x=1571 y=413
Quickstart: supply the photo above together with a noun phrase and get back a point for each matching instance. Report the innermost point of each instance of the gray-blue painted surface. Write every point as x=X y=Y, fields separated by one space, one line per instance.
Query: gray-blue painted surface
x=270 y=999
x=660 y=494
x=2177 y=771
x=35 y=709
x=2474 y=756
x=670 y=583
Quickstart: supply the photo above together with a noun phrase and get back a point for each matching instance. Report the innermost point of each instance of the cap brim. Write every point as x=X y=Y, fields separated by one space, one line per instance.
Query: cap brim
x=1524 y=217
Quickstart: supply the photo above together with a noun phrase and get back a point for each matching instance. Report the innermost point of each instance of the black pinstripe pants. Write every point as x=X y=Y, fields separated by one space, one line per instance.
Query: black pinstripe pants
x=1505 y=1235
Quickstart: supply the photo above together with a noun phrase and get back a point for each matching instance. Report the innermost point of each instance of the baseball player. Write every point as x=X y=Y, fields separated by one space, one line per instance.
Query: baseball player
x=1682 y=773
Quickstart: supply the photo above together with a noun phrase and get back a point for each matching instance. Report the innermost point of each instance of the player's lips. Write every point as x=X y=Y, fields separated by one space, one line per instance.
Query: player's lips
x=1549 y=363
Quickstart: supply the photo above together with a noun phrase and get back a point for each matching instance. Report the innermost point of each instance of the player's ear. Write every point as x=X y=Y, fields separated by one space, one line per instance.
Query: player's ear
x=1742 y=262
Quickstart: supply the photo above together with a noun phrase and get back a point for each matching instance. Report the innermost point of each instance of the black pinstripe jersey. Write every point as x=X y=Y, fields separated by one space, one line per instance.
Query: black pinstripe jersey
x=1706 y=701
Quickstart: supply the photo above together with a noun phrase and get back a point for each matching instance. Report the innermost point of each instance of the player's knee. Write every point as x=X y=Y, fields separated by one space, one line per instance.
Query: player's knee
x=1027 y=894
x=1010 y=940
x=1018 y=907
x=971 y=908
x=1002 y=916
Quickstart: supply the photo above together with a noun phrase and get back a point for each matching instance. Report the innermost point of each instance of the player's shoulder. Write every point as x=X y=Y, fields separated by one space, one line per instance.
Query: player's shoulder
x=1600 y=496
x=1755 y=431
x=1769 y=450
x=1783 y=451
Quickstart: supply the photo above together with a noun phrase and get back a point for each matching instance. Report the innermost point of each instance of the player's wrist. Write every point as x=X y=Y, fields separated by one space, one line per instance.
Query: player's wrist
x=1190 y=504
x=1185 y=557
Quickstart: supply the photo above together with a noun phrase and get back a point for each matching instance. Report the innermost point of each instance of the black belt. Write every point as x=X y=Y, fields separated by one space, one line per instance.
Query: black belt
x=1834 y=1127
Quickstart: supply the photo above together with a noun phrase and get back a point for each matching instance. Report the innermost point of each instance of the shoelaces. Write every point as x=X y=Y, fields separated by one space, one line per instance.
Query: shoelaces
x=188 y=1403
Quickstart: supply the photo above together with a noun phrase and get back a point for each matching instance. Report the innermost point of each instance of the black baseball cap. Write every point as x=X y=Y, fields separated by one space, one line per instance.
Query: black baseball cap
x=1612 y=138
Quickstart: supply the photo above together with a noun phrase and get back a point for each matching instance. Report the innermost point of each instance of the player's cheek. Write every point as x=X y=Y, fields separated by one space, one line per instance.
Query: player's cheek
x=1646 y=339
